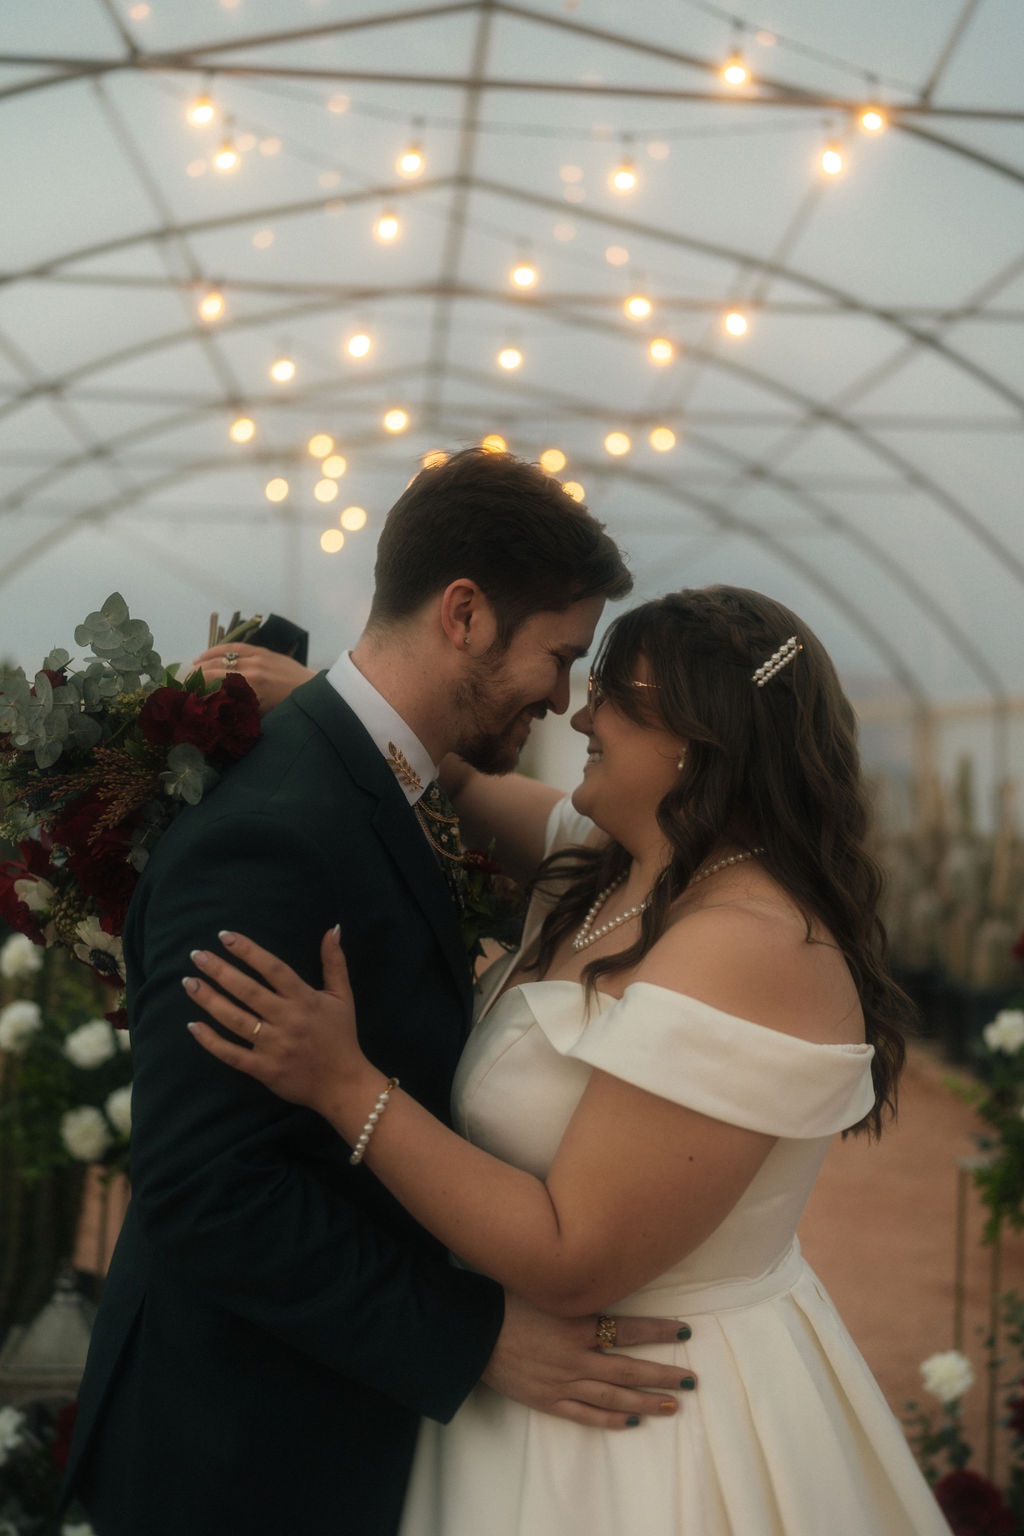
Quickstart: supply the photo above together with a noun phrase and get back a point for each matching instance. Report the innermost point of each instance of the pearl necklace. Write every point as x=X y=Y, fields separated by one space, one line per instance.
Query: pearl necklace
x=588 y=934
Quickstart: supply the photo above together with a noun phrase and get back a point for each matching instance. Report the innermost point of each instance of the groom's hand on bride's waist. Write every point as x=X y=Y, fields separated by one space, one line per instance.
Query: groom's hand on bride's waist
x=558 y=1365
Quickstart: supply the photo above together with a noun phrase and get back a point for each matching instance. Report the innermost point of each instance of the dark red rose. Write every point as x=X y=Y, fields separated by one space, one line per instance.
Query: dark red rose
x=64 y=1428
x=973 y=1506
x=117 y=1018
x=56 y=676
x=221 y=725
x=98 y=860
x=35 y=860
x=477 y=859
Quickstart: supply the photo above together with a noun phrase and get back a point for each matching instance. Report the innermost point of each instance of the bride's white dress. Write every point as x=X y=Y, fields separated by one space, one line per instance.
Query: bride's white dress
x=787 y=1433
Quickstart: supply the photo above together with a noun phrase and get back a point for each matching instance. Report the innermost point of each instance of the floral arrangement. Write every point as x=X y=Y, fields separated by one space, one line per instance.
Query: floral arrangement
x=493 y=905
x=34 y=1446
x=94 y=765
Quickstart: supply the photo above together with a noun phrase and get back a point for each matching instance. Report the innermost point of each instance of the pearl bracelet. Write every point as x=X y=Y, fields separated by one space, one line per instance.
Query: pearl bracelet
x=371 y=1124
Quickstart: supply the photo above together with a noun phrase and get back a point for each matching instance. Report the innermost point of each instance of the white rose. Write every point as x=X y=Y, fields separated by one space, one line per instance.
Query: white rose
x=1006 y=1032
x=947 y=1375
x=90 y=1045
x=85 y=1133
x=119 y=1110
x=11 y=1424
x=35 y=893
x=18 y=1021
x=19 y=957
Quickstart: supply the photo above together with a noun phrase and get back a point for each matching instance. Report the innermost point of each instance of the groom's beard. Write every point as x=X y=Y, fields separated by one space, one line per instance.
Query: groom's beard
x=496 y=724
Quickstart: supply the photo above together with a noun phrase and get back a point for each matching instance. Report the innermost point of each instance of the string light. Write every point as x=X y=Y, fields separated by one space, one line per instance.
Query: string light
x=334 y=466
x=358 y=345
x=494 y=443
x=242 y=430
x=211 y=305
x=523 y=275
x=661 y=351
x=320 y=445
x=509 y=358
x=396 y=420
x=201 y=111
x=282 y=370
x=623 y=178
x=387 y=227
x=872 y=120
x=617 y=443
x=353 y=518
x=832 y=160
x=552 y=460
x=276 y=489
x=227 y=157
x=735 y=323
x=638 y=307
x=412 y=160
x=734 y=70
x=331 y=540
x=325 y=490
x=574 y=489
x=662 y=439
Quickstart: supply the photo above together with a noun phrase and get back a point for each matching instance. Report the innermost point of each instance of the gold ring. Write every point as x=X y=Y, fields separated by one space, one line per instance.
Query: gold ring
x=606 y=1332
x=230 y=661
x=257 y=1027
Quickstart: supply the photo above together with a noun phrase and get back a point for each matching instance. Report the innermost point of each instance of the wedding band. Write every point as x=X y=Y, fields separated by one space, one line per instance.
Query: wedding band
x=230 y=660
x=605 y=1332
x=257 y=1027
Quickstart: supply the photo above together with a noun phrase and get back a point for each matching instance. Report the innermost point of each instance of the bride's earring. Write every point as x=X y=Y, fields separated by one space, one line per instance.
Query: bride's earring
x=681 y=764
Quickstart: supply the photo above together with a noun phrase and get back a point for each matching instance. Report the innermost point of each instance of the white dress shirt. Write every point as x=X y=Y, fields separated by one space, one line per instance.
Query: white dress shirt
x=384 y=725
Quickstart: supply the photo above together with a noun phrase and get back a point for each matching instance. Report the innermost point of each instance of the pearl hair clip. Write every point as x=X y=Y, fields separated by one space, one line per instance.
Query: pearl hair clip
x=776 y=661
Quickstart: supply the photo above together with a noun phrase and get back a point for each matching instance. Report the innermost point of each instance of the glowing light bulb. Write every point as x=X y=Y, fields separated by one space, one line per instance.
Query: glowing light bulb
x=494 y=443
x=734 y=70
x=331 y=540
x=396 y=420
x=510 y=357
x=433 y=457
x=276 y=489
x=242 y=430
x=282 y=370
x=410 y=162
x=662 y=439
x=624 y=177
x=832 y=160
x=735 y=323
x=661 y=351
x=334 y=466
x=638 y=307
x=574 y=489
x=201 y=111
x=320 y=445
x=325 y=490
x=872 y=120
x=387 y=227
x=617 y=443
x=552 y=460
x=353 y=518
x=523 y=275
x=211 y=305
x=358 y=345
x=227 y=157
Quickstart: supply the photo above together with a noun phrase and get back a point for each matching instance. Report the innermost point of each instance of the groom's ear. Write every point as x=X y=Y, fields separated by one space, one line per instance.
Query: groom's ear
x=467 y=618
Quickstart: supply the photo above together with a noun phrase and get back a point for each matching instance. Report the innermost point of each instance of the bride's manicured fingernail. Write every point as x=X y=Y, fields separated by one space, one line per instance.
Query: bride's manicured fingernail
x=198 y=957
x=227 y=937
x=190 y=983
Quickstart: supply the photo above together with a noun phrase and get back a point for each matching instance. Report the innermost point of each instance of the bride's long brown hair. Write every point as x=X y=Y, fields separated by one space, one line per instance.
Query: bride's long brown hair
x=775 y=767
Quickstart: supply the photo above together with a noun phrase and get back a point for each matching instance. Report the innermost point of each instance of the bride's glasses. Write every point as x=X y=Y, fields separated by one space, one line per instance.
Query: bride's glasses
x=596 y=694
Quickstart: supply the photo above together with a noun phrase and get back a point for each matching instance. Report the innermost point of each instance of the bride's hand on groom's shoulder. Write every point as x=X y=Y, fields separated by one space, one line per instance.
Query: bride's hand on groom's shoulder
x=300 y=1042
x=555 y=1365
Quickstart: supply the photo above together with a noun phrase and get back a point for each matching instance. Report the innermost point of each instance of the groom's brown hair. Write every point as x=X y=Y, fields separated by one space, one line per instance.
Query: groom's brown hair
x=503 y=523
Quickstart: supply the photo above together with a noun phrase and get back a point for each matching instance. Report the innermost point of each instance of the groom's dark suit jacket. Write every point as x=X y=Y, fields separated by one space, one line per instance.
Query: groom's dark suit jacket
x=274 y=1324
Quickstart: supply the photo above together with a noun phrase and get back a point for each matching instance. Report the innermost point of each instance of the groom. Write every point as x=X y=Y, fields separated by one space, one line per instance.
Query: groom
x=274 y=1324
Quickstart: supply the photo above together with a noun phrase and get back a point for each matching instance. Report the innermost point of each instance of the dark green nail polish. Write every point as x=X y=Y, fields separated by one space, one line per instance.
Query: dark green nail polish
x=632 y=1421
x=685 y=1332
x=688 y=1383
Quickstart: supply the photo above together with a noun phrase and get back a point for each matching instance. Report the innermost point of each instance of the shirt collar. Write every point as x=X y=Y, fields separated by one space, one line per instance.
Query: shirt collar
x=408 y=758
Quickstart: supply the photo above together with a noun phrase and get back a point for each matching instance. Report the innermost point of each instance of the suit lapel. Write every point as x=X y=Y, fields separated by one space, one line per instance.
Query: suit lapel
x=392 y=820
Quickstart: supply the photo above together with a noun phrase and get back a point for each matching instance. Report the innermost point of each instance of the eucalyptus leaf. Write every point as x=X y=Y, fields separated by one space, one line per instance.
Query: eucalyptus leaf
x=57 y=659
x=188 y=775
x=48 y=752
x=44 y=692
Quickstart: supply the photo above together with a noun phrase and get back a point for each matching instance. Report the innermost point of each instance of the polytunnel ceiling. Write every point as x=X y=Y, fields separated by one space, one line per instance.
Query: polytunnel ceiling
x=858 y=452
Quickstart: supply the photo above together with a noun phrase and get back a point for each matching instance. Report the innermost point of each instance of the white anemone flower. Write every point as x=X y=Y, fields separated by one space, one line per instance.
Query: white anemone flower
x=103 y=951
x=36 y=893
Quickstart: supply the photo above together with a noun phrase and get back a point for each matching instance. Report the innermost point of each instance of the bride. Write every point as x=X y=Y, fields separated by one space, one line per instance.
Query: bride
x=698 y=1006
